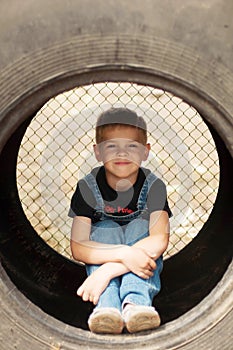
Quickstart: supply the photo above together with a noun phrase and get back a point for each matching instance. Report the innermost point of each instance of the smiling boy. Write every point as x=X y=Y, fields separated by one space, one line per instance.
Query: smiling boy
x=120 y=227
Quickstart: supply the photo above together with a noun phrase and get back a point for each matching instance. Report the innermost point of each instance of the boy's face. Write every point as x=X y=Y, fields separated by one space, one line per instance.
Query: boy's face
x=122 y=153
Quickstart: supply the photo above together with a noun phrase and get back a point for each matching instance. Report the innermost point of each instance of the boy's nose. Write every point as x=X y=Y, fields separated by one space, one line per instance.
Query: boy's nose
x=122 y=151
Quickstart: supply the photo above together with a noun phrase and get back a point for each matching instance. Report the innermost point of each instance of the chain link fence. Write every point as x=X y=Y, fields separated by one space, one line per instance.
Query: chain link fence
x=56 y=152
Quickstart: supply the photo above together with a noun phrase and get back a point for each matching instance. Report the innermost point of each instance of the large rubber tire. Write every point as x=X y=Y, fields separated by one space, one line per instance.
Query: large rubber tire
x=184 y=47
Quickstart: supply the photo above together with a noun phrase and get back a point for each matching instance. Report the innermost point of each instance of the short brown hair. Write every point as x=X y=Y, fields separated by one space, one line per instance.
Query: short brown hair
x=116 y=117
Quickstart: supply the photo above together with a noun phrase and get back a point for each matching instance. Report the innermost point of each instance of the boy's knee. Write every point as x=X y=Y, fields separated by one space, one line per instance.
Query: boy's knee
x=107 y=231
x=141 y=224
x=136 y=230
x=106 y=224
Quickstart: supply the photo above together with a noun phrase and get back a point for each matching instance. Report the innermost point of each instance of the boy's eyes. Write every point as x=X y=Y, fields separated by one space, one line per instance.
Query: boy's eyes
x=115 y=146
x=110 y=146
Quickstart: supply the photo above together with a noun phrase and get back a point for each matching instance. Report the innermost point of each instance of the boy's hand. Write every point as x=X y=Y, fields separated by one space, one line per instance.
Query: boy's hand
x=139 y=261
x=93 y=286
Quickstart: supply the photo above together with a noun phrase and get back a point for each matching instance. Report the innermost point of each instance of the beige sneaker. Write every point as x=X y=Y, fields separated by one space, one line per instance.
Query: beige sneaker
x=140 y=318
x=106 y=320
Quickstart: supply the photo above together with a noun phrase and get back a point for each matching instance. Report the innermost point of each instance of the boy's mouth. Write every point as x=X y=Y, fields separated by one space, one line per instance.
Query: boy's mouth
x=122 y=162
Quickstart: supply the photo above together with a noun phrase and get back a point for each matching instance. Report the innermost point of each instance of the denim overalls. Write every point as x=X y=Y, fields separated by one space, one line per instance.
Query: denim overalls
x=127 y=229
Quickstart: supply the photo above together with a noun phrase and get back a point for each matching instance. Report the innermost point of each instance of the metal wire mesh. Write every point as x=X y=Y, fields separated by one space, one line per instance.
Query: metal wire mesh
x=56 y=151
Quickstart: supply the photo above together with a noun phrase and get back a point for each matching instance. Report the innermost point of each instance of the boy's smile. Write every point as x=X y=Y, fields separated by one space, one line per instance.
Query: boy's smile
x=122 y=154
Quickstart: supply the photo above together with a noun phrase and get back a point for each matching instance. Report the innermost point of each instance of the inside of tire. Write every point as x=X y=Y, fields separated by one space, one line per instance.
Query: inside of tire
x=50 y=280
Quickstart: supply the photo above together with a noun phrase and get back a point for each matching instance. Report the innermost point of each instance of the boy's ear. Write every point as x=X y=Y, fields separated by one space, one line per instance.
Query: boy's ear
x=97 y=153
x=146 y=151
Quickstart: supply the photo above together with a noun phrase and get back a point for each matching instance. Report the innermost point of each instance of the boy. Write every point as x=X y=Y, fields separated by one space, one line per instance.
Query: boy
x=120 y=227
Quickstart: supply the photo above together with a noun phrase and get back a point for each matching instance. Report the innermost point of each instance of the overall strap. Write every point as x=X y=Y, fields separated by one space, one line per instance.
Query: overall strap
x=142 y=198
x=92 y=184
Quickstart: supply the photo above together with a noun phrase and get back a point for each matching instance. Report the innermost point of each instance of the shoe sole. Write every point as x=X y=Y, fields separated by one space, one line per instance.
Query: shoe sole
x=106 y=323
x=142 y=321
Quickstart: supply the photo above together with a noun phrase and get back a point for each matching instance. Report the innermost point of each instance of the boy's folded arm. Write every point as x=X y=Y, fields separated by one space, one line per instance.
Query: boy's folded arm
x=91 y=252
x=157 y=241
x=113 y=269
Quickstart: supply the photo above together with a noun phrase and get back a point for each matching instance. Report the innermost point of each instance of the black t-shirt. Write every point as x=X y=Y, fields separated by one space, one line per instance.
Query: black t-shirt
x=120 y=203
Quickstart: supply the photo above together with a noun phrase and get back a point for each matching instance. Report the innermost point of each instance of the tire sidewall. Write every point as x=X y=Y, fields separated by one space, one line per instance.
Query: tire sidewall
x=136 y=65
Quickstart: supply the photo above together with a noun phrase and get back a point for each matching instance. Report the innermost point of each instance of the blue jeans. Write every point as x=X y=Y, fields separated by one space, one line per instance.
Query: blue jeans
x=128 y=288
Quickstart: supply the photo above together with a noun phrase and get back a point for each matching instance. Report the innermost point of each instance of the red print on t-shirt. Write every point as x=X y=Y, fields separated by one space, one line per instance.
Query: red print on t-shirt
x=119 y=210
